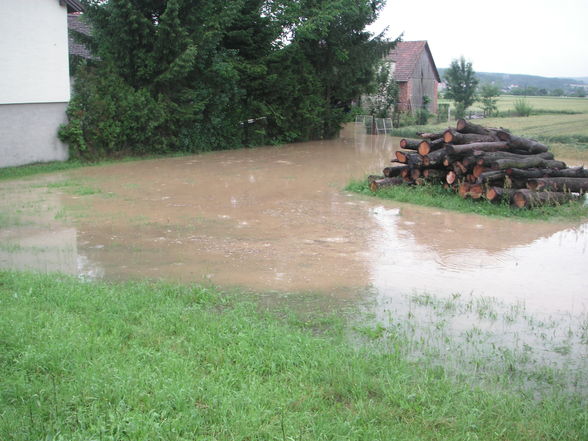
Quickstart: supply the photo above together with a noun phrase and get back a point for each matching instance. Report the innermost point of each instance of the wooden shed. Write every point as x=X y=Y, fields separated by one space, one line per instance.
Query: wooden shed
x=415 y=72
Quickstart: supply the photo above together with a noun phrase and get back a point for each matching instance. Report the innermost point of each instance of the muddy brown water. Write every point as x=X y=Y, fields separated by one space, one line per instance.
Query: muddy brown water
x=277 y=219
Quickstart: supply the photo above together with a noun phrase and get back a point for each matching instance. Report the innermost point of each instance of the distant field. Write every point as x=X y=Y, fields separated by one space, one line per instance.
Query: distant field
x=540 y=103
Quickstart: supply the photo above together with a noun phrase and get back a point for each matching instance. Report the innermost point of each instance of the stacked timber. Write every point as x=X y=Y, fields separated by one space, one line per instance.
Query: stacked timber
x=479 y=162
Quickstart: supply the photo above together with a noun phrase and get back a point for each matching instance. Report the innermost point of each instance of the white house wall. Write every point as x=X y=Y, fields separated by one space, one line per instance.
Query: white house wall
x=34 y=81
x=34 y=66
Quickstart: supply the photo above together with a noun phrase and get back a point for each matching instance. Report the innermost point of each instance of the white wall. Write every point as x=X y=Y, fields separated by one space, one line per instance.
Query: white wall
x=34 y=65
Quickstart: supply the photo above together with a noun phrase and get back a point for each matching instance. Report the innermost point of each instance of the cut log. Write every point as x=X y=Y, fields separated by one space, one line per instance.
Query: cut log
x=577 y=185
x=530 y=145
x=391 y=172
x=464 y=126
x=465 y=149
x=533 y=173
x=451 y=136
x=415 y=173
x=492 y=176
x=478 y=170
x=433 y=174
x=530 y=199
x=526 y=162
x=434 y=159
x=385 y=182
x=409 y=144
x=425 y=147
x=497 y=194
x=451 y=178
x=476 y=191
x=372 y=178
x=486 y=157
x=430 y=136
x=464 y=189
x=401 y=156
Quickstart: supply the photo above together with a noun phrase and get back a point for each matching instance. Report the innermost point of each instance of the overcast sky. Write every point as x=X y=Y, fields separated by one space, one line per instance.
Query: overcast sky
x=540 y=37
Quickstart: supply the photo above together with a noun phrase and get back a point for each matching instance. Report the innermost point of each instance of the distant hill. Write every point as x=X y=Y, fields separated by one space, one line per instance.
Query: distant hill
x=508 y=82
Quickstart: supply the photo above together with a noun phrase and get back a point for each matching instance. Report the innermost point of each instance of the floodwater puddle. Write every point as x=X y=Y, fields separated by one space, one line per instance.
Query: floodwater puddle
x=276 y=219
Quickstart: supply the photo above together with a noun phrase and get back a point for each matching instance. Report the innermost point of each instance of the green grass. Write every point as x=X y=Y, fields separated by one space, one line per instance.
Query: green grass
x=540 y=104
x=155 y=361
x=436 y=196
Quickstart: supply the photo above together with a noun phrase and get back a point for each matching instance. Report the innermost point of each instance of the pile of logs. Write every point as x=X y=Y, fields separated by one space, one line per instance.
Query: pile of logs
x=479 y=162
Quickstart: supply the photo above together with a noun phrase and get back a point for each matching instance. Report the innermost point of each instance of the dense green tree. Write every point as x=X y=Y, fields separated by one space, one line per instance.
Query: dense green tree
x=488 y=97
x=203 y=68
x=461 y=83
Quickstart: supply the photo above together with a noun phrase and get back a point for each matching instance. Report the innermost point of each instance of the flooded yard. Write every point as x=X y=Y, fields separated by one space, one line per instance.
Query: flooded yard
x=275 y=219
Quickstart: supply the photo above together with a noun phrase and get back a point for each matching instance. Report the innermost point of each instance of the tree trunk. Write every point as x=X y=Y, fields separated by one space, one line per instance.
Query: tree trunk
x=487 y=157
x=451 y=136
x=529 y=198
x=534 y=173
x=409 y=144
x=391 y=172
x=465 y=149
x=425 y=147
x=464 y=126
x=430 y=136
x=577 y=185
x=451 y=178
x=530 y=145
x=526 y=162
x=491 y=176
x=497 y=194
x=434 y=159
x=386 y=182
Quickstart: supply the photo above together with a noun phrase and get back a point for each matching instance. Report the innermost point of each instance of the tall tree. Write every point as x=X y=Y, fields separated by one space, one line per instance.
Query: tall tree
x=489 y=94
x=202 y=67
x=461 y=83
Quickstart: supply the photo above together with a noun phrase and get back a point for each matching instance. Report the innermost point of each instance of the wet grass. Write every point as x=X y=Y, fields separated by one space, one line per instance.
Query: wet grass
x=145 y=361
x=438 y=197
x=566 y=135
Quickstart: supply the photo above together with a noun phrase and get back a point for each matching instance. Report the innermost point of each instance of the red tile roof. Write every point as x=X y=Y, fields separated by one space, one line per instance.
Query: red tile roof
x=406 y=54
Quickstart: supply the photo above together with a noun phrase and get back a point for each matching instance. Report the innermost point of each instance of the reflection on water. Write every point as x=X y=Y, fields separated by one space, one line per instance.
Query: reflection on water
x=275 y=218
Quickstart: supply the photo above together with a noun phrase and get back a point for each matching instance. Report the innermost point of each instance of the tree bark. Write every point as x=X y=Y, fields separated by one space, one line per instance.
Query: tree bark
x=577 y=185
x=391 y=172
x=497 y=194
x=385 y=182
x=534 y=173
x=430 y=136
x=465 y=149
x=464 y=126
x=451 y=177
x=526 y=162
x=425 y=147
x=451 y=136
x=434 y=159
x=409 y=144
x=530 y=145
x=530 y=199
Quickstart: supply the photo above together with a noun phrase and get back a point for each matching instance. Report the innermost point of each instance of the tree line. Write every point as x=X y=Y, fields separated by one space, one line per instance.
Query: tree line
x=197 y=75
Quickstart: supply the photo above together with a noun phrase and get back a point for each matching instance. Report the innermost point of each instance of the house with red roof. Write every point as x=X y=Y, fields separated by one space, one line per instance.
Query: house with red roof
x=415 y=72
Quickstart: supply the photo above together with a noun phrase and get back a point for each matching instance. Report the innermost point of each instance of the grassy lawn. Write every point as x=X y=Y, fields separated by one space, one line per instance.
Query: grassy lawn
x=436 y=196
x=148 y=361
x=539 y=103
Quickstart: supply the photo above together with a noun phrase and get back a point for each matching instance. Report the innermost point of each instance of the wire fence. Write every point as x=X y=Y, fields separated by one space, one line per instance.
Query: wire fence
x=373 y=125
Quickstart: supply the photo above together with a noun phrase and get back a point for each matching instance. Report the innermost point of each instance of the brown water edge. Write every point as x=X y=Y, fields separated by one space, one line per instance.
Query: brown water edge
x=276 y=219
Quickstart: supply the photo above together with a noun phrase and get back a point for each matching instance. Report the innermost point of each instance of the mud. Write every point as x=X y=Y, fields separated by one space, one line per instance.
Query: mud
x=276 y=219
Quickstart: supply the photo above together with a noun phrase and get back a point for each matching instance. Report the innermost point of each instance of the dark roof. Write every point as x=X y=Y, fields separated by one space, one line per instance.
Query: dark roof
x=72 y=5
x=76 y=24
x=406 y=55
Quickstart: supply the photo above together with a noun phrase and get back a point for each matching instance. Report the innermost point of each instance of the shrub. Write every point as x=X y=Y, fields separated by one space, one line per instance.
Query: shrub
x=522 y=107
